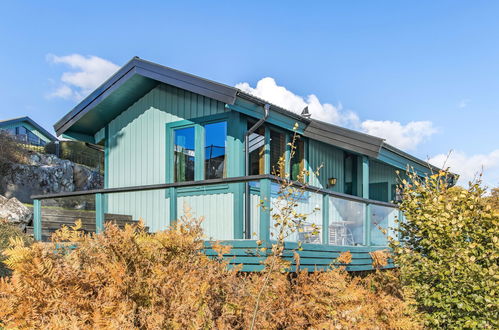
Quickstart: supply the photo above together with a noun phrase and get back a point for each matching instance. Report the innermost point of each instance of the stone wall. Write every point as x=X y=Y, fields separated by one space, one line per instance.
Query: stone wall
x=45 y=174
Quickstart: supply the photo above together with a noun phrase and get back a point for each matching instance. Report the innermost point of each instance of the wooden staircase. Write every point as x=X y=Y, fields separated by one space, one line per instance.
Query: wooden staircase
x=53 y=218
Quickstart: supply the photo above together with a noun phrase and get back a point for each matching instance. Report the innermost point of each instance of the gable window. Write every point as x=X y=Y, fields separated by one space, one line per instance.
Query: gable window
x=214 y=150
x=183 y=154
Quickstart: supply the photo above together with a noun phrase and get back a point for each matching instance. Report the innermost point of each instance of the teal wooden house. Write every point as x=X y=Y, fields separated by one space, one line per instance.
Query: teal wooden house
x=26 y=130
x=171 y=139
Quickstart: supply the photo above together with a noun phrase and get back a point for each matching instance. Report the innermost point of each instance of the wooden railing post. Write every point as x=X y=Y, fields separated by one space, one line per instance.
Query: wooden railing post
x=365 y=194
x=325 y=219
x=37 y=219
x=173 y=205
x=99 y=213
x=265 y=192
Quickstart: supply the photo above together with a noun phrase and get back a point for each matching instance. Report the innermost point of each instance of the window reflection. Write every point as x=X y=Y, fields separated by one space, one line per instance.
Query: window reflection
x=184 y=154
x=214 y=161
x=277 y=148
x=257 y=150
x=297 y=162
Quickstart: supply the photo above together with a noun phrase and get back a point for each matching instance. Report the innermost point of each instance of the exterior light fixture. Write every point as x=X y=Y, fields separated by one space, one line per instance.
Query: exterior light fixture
x=331 y=181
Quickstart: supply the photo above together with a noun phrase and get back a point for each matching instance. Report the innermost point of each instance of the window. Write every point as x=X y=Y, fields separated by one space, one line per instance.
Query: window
x=257 y=150
x=33 y=139
x=199 y=151
x=184 y=154
x=297 y=161
x=277 y=149
x=214 y=150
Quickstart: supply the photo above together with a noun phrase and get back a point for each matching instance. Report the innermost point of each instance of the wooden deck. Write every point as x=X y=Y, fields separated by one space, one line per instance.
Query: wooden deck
x=53 y=218
x=312 y=256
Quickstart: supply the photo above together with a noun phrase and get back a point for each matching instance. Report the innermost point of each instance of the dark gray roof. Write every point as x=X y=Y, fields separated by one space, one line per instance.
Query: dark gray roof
x=140 y=67
x=344 y=138
x=150 y=73
x=30 y=121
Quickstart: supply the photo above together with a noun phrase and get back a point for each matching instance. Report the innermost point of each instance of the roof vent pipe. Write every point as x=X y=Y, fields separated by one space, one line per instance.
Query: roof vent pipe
x=247 y=200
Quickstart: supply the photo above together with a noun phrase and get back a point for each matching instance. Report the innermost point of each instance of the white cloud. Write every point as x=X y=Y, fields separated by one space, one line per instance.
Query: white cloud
x=268 y=90
x=404 y=136
x=468 y=166
x=87 y=74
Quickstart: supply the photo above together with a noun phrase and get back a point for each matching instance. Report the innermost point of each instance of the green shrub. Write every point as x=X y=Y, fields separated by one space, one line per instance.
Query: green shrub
x=448 y=254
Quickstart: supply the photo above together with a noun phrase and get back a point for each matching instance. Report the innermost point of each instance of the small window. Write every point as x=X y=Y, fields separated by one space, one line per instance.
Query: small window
x=297 y=161
x=214 y=152
x=184 y=154
x=257 y=150
x=277 y=149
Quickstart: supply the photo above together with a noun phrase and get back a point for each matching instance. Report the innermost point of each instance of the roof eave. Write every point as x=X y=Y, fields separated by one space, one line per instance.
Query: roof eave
x=208 y=88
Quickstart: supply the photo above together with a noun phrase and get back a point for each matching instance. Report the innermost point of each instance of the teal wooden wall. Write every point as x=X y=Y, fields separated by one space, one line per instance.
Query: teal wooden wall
x=333 y=165
x=136 y=150
x=382 y=177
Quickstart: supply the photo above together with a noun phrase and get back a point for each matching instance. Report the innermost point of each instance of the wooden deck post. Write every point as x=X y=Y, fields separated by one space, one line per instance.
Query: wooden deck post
x=265 y=188
x=37 y=219
x=365 y=194
x=173 y=205
x=99 y=213
x=325 y=219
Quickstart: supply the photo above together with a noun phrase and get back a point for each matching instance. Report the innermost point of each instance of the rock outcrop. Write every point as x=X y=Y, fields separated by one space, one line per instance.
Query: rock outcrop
x=14 y=211
x=43 y=174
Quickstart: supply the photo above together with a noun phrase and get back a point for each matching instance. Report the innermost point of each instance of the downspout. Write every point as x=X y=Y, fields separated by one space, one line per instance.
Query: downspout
x=247 y=206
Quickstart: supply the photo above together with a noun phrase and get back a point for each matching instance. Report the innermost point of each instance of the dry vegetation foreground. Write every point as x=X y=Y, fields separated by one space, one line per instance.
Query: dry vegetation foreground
x=132 y=279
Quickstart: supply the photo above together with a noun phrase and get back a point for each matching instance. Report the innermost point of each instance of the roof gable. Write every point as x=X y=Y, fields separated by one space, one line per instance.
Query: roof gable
x=132 y=81
x=30 y=121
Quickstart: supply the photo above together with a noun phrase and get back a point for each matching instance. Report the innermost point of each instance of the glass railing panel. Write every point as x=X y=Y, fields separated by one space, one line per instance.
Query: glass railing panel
x=307 y=203
x=255 y=204
x=382 y=219
x=56 y=212
x=150 y=206
x=346 y=222
x=215 y=205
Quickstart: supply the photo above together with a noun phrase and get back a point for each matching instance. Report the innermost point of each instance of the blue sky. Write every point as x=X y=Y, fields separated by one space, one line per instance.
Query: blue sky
x=430 y=68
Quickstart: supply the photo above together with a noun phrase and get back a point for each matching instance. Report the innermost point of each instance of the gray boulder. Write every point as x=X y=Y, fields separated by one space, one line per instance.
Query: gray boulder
x=14 y=211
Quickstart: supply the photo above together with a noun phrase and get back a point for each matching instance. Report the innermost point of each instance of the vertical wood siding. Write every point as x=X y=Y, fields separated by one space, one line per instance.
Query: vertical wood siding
x=382 y=173
x=137 y=149
x=333 y=165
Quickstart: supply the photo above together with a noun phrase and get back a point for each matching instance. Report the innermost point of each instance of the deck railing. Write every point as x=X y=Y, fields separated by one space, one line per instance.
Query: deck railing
x=343 y=220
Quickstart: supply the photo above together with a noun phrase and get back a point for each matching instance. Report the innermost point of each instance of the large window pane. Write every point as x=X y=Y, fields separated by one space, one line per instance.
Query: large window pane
x=214 y=161
x=297 y=160
x=256 y=149
x=277 y=149
x=184 y=153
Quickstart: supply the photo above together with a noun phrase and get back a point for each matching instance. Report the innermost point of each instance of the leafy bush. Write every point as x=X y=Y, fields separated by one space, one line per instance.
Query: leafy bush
x=8 y=231
x=448 y=254
x=129 y=278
